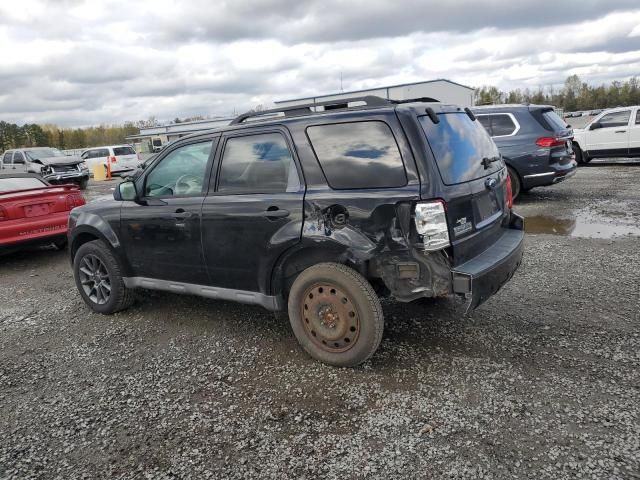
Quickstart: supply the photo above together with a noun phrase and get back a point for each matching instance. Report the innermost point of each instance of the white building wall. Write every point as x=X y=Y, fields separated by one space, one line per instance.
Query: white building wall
x=443 y=91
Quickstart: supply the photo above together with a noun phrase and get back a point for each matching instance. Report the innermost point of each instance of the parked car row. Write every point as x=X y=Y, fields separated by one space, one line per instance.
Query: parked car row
x=50 y=163
x=587 y=113
x=317 y=210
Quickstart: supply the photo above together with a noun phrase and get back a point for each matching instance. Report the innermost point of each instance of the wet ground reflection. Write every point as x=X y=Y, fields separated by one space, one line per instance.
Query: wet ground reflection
x=583 y=225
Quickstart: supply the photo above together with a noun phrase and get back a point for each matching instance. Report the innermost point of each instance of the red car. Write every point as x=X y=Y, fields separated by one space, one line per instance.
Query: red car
x=33 y=211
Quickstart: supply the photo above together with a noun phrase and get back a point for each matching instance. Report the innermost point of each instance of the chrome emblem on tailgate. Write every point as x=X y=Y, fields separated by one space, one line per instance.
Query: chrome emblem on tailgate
x=462 y=226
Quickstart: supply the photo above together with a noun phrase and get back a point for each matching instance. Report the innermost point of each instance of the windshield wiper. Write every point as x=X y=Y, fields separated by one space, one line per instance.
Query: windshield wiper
x=486 y=161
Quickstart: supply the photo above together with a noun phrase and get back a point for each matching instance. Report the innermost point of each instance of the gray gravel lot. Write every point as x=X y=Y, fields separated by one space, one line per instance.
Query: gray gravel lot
x=540 y=382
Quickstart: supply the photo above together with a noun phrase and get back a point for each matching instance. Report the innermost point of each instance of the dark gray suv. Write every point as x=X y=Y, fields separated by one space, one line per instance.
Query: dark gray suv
x=316 y=212
x=534 y=141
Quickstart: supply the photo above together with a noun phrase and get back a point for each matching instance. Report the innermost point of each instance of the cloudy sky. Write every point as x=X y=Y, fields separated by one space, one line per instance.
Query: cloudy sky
x=76 y=63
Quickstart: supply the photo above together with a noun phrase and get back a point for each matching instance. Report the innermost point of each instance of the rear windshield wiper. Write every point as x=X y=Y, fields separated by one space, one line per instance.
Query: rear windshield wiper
x=486 y=161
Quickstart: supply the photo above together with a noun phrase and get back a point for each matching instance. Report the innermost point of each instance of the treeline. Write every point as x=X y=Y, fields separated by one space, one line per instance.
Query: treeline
x=47 y=135
x=574 y=95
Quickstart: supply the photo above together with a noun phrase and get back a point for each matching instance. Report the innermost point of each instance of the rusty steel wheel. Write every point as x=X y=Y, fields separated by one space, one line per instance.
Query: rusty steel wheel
x=330 y=317
x=335 y=314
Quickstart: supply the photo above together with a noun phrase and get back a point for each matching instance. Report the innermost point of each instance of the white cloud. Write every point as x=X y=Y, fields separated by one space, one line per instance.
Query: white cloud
x=77 y=62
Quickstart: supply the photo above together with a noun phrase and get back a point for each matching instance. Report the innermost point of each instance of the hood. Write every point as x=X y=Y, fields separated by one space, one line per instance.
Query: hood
x=65 y=160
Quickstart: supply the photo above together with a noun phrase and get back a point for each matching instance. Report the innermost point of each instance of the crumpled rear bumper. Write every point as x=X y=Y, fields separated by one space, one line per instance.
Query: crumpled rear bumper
x=482 y=276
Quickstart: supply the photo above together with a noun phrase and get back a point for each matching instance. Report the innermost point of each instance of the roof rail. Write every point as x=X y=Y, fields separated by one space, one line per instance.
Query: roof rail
x=307 y=109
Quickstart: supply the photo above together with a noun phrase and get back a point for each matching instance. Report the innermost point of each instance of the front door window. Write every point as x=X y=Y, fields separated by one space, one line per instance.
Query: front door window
x=181 y=173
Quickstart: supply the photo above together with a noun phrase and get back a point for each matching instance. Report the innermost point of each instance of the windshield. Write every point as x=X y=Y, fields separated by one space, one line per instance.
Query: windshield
x=462 y=148
x=44 y=153
x=20 y=183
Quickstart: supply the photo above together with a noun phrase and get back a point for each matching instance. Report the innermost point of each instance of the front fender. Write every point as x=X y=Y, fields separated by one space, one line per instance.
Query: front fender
x=87 y=226
x=87 y=222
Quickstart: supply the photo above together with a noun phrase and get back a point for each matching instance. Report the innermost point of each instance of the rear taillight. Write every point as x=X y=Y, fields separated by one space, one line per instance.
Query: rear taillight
x=431 y=223
x=3 y=214
x=548 y=142
x=113 y=159
x=74 y=200
x=509 y=193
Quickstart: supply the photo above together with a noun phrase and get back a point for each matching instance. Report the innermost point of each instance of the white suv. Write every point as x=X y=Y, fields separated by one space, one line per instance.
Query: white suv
x=121 y=158
x=613 y=133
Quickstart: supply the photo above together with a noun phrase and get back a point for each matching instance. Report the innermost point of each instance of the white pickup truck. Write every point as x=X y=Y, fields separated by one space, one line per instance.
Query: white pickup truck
x=613 y=133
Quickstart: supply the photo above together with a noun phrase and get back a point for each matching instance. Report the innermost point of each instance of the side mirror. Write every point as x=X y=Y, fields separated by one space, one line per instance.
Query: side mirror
x=595 y=126
x=126 y=191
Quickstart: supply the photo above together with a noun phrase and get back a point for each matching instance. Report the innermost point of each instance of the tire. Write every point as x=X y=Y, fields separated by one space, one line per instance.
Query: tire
x=516 y=184
x=119 y=297
x=83 y=184
x=581 y=157
x=343 y=323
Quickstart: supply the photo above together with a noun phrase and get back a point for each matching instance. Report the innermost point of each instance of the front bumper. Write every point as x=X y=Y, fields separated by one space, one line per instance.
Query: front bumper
x=556 y=174
x=74 y=177
x=483 y=275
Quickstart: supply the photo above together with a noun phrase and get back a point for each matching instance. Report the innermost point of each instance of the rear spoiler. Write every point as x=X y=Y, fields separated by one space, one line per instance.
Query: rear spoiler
x=66 y=187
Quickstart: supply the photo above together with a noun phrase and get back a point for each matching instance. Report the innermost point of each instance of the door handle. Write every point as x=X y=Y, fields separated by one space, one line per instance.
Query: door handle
x=181 y=214
x=275 y=212
x=620 y=131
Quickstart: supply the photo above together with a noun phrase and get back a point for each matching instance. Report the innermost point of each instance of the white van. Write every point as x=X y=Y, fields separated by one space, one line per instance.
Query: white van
x=121 y=158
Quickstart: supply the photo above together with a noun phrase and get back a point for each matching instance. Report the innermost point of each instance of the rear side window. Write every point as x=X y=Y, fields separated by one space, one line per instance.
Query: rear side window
x=638 y=117
x=259 y=163
x=615 y=119
x=459 y=146
x=498 y=124
x=549 y=119
x=117 y=151
x=7 y=157
x=554 y=120
x=358 y=155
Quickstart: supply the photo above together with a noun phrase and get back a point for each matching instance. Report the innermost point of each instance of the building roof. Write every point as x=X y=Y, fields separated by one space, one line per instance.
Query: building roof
x=374 y=88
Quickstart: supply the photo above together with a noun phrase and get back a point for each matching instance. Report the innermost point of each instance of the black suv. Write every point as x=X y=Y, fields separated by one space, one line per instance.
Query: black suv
x=534 y=141
x=318 y=210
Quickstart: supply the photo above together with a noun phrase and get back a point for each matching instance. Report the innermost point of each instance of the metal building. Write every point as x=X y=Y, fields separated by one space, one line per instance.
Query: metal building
x=440 y=90
x=150 y=139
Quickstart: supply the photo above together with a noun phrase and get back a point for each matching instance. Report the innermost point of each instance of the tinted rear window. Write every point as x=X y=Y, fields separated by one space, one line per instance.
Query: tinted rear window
x=117 y=151
x=554 y=120
x=459 y=145
x=12 y=184
x=358 y=155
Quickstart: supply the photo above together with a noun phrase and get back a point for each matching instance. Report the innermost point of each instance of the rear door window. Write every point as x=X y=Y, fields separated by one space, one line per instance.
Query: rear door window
x=117 y=151
x=459 y=146
x=358 y=155
x=260 y=163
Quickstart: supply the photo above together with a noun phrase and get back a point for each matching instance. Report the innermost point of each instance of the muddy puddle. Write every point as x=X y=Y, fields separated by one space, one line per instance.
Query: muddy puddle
x=583 y=225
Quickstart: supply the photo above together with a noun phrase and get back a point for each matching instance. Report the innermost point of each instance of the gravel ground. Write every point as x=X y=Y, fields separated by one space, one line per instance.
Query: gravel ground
x=541 y=382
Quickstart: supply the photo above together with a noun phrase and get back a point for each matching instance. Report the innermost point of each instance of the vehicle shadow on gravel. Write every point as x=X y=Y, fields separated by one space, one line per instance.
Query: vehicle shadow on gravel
x=432 y=325
x=35 y=256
